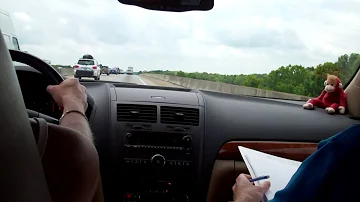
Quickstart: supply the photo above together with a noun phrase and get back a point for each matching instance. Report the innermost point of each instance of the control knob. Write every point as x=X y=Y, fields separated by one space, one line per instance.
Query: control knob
x=128 y=136
x=158 y=161
x=187 y=141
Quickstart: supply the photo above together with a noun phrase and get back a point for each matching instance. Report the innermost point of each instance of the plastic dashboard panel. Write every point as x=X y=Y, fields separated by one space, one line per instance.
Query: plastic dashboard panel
x=159 y=97
x=101 y=128
x=233 y=117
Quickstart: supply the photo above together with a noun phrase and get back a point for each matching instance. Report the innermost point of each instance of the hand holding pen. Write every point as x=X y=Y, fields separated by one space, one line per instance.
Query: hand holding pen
x=245 y=189
x=259 y=178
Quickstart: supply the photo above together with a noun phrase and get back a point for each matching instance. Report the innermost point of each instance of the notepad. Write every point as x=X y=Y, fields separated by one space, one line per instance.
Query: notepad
x=279 y=169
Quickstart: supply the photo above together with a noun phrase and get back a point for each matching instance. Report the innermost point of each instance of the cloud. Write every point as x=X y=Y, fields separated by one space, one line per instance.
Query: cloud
x=236 y=37
x=21 y=16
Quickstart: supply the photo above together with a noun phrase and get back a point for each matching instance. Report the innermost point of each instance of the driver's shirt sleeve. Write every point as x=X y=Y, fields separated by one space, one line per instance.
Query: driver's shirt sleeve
x=331 y=174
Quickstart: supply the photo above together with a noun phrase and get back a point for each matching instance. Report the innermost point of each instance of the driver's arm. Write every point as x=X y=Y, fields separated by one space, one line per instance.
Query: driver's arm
x=76 y=121
x=70 y=96
x=74 y=174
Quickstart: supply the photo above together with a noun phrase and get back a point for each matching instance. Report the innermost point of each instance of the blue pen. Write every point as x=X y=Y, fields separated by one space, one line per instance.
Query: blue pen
x=259 y=178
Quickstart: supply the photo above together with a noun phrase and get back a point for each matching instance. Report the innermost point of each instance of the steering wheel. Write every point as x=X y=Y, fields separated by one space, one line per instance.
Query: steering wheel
x=49 y=72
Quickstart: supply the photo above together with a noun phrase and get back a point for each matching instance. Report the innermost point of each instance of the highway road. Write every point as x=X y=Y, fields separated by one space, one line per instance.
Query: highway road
x=125 y=78
x=140 y=80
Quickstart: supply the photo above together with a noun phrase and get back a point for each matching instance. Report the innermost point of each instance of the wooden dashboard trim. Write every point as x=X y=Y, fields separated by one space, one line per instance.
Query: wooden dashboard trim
x=298 y=151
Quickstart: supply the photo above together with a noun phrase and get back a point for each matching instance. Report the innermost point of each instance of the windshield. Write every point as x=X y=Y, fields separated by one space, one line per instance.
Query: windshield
x=285 y=46
x=86 y=62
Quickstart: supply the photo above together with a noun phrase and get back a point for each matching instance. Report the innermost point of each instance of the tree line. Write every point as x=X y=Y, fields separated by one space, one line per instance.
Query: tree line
x=295 y=79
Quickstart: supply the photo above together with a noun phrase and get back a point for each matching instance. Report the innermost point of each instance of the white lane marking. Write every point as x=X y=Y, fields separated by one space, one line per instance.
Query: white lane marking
x=141 y=80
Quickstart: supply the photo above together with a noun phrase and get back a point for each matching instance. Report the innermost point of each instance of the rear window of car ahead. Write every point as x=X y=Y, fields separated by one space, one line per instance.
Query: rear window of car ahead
x=86 y=62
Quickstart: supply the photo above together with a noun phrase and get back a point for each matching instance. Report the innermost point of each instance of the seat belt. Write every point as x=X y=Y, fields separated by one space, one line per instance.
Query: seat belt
x=42 y=136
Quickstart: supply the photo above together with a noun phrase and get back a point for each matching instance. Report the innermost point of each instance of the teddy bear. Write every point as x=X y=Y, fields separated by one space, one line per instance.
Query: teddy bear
x=332 y=98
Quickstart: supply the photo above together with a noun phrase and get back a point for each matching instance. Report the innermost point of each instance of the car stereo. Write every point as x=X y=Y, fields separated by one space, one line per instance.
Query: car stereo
x=162 y=160
x=157 y=150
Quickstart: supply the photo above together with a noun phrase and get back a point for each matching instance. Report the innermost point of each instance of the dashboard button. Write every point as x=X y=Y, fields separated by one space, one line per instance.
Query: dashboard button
x=179 y=163
x=158 y=161
x=129 y=135
x=187 y=141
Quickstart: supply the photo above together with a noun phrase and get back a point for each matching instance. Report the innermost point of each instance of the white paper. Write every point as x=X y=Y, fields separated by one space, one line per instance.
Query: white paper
x=279 y=169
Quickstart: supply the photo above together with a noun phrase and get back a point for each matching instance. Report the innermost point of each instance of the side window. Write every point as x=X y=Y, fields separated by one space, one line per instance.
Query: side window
x=7 y=40
x=15 y=43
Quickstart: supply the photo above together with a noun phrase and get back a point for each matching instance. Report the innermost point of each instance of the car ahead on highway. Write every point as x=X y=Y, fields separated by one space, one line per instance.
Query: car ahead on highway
x=105 y=70
x=115 y=70
x=130 y=71
x=87 y=68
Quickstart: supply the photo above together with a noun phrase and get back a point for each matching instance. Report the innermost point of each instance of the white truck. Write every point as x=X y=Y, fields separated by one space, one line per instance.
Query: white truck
x=8 y=30
x=130 y=70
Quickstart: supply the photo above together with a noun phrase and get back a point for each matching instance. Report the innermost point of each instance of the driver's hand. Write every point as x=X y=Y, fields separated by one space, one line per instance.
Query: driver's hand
x=69 y=95
x=245 y=191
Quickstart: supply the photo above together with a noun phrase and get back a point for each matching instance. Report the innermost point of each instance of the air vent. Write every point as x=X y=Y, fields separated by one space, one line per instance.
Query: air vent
x=137 y=113
x=179 y=115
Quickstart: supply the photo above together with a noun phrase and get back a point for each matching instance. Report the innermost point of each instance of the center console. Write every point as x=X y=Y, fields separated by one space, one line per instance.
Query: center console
x=157 y=150
x=162 y=160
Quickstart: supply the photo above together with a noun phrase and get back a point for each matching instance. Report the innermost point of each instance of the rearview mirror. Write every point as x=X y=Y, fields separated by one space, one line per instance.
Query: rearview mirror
x=172 y=5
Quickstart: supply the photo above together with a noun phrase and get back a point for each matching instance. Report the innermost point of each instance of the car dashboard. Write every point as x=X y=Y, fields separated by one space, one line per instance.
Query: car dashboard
x=161 y=143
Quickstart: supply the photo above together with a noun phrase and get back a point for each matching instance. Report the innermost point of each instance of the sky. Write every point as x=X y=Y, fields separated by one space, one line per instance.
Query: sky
x=235 y=37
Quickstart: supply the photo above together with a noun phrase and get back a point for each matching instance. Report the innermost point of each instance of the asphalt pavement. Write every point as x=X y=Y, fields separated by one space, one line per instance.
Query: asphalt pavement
x=124 y=78
x=140 y=80
x=120 y=78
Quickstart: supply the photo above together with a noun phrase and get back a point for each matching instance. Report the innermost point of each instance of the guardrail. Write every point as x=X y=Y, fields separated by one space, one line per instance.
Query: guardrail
x=224 y=87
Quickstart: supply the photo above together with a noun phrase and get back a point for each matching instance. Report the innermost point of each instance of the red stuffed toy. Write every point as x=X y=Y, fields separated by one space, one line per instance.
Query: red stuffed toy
x=332 y=98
